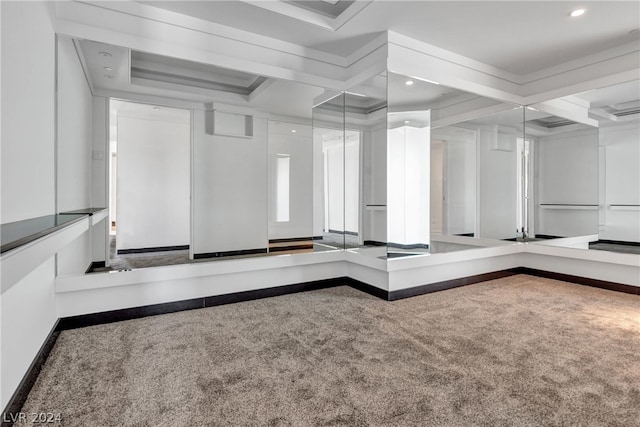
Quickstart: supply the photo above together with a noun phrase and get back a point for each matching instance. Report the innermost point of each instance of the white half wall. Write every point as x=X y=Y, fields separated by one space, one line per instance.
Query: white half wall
x=29 y=312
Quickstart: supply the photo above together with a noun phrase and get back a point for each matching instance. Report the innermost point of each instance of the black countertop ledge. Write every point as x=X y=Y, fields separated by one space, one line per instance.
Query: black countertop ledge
x=19 y=233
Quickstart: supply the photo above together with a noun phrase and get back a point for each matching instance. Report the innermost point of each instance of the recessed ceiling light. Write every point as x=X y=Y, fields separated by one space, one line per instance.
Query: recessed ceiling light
x=108 y=76
x=577 y=12
x=156 y=108
x=108 y=68
x=103 y=53
x=409 y=82
x=293 y=131
x=406 y=122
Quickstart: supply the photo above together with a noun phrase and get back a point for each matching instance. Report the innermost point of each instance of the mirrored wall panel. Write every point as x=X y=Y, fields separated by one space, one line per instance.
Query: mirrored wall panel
x=330 y=225
x=366 y=167
x=563 y=180
x=456 y=163
x=255 y=182
x=586 y=184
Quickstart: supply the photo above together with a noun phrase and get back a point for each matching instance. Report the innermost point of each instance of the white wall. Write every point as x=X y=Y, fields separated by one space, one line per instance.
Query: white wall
x=229 y=189
x=28 y=177
x=153 y=179
x=567 y=173
x=74 y=151
x=622 y=181
x=28 y=61
x=75 y=104
x=299 y=147
x=497 y=184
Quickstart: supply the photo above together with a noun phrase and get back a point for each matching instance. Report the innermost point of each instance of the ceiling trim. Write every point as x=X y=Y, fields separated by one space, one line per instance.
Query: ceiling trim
x=328 y=23
x=78 y=10
x=158 y=31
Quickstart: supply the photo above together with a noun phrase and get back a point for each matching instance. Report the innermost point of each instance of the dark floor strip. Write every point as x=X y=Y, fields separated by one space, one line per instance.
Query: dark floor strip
x=448 y=284
x=603 y=284
x=154 y=249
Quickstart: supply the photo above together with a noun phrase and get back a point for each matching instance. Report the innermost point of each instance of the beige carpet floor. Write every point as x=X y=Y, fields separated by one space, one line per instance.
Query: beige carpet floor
x=518 y=351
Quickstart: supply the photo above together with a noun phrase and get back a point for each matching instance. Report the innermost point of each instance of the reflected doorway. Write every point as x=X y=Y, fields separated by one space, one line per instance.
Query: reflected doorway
x=149 y=176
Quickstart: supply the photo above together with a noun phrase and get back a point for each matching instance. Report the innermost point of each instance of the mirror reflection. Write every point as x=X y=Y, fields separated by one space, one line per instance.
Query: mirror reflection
x=586 y=149
x=366 y=167
x=463 y=191
x=564 y=183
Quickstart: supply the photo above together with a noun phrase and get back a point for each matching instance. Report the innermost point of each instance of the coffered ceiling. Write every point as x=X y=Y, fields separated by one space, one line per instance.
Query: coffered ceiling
x=521 y=37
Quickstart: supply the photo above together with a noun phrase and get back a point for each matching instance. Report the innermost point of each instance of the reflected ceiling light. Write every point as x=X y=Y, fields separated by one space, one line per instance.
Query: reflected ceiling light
x=293 y=131
x=577 y=12
x=406 y=122
x=156 y=108
x=532 y=109
x=108 y=68
x=409 y=82
x=425 y=80
x=106 y=54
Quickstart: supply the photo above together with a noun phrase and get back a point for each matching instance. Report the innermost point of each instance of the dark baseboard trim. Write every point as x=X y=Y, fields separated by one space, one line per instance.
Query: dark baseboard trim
x=171 y=307
x=154 y=249
x=618 y=242
x=292 y=239
x=466 y=235
x=448 y=284
x=367 y=288
x=291 y=247
x=230 y=253
x=112 y=316
x=603 y=284
x=374 y=243
x=317 y=238
x=14 y=406
x=83 y=320
x=213 y=301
